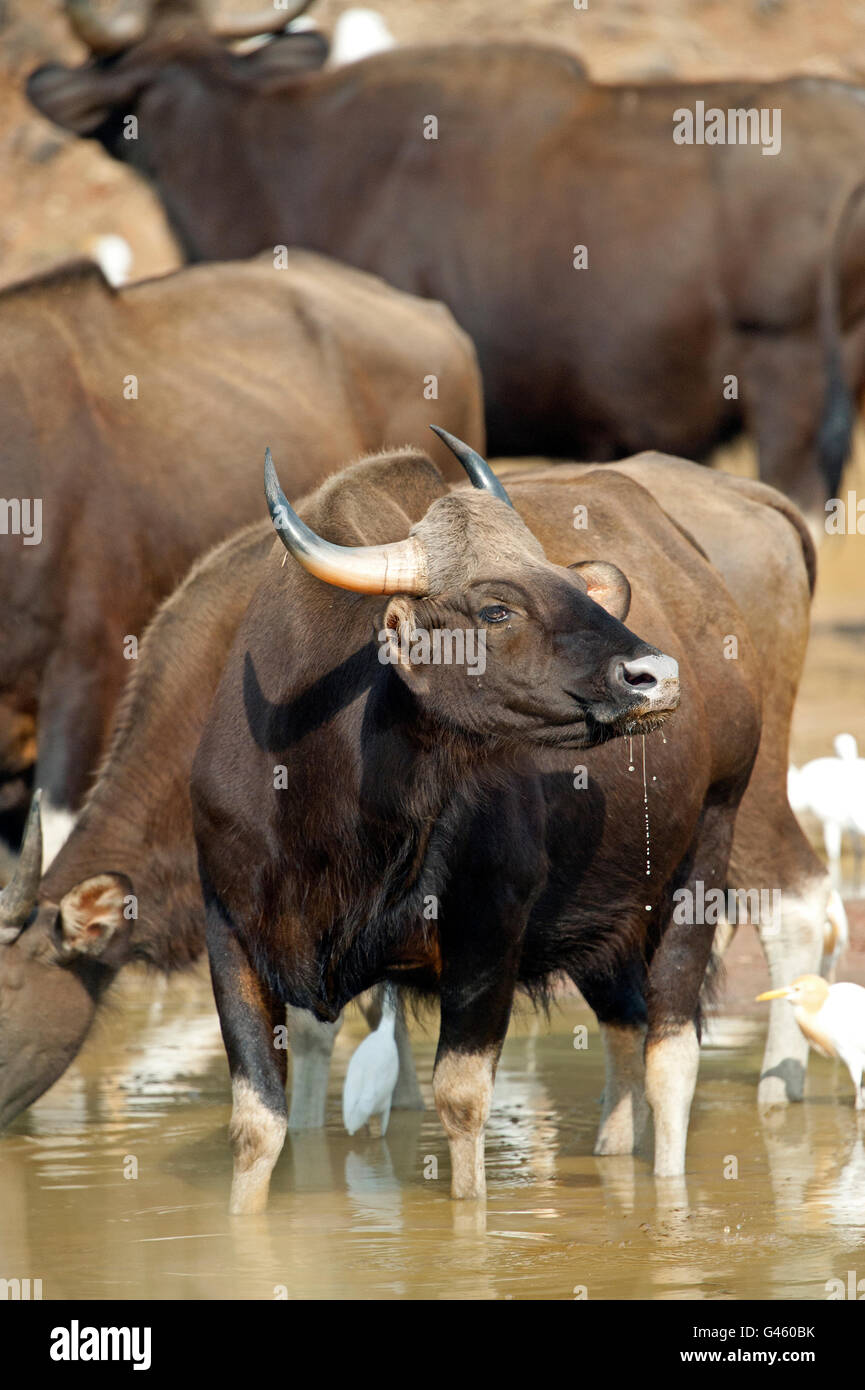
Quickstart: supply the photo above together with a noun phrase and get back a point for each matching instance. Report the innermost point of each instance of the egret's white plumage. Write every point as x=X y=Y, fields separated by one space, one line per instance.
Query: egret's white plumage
x=846 y=747
x=114 y=255
x=833 y=790
x=832 y=1017
x=358 y=34
x=372 y=1072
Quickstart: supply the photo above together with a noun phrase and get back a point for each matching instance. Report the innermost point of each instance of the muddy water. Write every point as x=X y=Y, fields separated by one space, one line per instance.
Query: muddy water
x=366 y=1218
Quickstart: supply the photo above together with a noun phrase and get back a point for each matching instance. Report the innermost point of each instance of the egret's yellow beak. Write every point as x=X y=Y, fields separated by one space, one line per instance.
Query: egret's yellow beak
x=773 y=994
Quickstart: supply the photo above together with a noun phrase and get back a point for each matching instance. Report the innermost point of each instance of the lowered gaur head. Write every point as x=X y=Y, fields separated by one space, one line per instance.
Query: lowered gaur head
x=133 y=67
x=559 y=667
x=62 y=954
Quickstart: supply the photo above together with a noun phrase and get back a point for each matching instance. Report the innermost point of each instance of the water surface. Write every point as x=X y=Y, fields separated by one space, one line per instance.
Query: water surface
x=369 y=1218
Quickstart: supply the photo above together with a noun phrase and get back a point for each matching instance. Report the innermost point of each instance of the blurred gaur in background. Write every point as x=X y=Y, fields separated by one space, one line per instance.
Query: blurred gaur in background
x=722 y=290
x=61 y=952
x=134 y=418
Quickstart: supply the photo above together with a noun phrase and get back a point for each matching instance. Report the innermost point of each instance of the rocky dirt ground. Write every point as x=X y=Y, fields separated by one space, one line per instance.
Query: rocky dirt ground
x=57 y=195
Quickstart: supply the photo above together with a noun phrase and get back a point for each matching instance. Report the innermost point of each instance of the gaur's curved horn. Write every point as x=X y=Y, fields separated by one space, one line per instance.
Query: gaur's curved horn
x=105 y=36
x=397 y=568
x=246 y=26
x=477 y=467
x=18 y=898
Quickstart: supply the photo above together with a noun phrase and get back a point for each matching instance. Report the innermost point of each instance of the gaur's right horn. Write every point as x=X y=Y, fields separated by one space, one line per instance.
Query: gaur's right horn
x=18 y=898
x=397 y=568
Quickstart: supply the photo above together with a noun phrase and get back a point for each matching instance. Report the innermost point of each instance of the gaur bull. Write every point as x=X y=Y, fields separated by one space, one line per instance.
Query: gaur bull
x=616 y=321
x=137 y=820
x=404 y=783
x=138 y=453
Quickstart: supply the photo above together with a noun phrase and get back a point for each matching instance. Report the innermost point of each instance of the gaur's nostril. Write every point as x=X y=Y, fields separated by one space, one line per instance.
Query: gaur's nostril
x=651 y=675
x=638 y=677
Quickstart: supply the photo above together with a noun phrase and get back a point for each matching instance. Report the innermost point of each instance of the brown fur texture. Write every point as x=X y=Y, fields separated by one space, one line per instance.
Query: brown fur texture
x=315 y=359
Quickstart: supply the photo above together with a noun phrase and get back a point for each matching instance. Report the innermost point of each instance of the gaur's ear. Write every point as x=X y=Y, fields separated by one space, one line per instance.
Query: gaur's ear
x=81 y=99
x=283 y=59
x=396 y=635
x=605 y=584
x=91 y=913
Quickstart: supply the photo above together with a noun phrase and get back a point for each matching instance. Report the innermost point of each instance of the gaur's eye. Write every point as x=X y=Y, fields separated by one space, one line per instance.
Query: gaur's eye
x=496 y=613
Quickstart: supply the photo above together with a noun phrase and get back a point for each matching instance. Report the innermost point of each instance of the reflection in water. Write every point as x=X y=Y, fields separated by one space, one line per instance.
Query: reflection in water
x=115 y=1184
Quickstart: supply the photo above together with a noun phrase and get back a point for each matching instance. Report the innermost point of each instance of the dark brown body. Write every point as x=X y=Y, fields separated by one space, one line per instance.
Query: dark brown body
x=316 y=890
x=745 y=266
x=314 y=359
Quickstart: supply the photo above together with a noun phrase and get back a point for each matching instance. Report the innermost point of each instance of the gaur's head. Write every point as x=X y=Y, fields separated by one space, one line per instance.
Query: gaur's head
x=56 y=960
x=165 y=63
x=491 y=637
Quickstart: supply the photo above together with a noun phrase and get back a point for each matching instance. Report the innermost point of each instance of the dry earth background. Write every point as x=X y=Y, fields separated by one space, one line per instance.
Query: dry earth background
x=58 y=194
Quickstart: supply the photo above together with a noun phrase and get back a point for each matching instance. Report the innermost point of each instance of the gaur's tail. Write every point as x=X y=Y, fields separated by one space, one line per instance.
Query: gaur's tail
x=839 y=409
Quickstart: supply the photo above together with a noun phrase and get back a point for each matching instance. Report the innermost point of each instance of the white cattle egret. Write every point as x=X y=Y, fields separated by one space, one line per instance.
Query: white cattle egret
x=372 y=1072
x=833 y=790
x=832 y=1017
x=358 y=34
x=114 y=255
x=846 y=747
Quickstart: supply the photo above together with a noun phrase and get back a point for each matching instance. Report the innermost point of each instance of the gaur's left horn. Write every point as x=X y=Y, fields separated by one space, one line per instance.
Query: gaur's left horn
x=104 y=36
x=397 y=568
x=18 y=898
x=477 y=467
x=247 y=26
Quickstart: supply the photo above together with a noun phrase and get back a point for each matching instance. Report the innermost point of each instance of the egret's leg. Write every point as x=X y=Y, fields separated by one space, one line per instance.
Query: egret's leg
x=832 y=841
